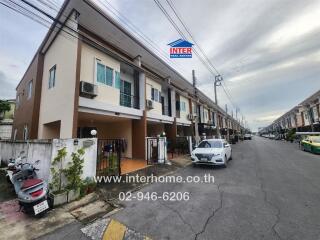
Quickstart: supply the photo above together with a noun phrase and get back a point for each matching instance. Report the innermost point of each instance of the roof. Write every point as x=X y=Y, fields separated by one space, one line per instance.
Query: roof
x=181 y=43
x=92 y=17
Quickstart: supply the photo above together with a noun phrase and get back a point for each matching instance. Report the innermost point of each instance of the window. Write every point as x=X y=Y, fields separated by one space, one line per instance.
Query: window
x=29 y=92
x=125 y=94
x=155 y=95
x=210 y=144
x=18 y=101
x=182 y=106
x=52 y=77
x=117 y=81
x=105 y=75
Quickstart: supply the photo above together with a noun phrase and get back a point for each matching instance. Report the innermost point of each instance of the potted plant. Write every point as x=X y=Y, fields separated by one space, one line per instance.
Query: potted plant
x=58 y=192
x=73 y=174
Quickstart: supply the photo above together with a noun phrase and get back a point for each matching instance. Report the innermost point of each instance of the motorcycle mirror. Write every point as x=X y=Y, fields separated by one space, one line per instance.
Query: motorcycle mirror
x=37 y=162
x=22 y=152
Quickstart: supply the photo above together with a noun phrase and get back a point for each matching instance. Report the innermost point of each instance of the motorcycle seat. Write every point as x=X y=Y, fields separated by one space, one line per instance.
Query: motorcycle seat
x=30 y=182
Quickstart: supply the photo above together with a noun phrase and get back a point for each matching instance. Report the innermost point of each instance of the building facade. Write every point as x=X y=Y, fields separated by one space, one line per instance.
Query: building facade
x=91 y=73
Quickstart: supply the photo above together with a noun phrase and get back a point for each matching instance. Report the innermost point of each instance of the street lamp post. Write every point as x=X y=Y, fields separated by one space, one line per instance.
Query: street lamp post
x=217 y=82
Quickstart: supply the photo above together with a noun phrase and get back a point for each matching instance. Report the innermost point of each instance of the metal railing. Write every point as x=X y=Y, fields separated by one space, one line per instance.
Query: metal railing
x=128 y=100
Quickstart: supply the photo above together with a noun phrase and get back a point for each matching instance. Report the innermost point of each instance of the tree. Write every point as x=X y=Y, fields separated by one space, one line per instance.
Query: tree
x=4 y=106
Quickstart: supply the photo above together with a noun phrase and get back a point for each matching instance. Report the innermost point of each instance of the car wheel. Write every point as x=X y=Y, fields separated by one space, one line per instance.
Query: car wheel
x=194 y=165
x=225 y=161
x=230 y=156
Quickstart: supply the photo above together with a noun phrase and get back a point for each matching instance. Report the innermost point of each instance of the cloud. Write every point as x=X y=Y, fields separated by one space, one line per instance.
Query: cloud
x=7 y=90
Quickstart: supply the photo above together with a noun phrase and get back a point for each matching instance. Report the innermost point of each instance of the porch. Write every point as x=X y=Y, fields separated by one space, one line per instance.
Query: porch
x=119 y=142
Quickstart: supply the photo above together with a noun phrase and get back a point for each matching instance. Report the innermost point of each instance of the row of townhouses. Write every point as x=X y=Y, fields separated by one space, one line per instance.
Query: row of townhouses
x=305 y=117
x=91 y=73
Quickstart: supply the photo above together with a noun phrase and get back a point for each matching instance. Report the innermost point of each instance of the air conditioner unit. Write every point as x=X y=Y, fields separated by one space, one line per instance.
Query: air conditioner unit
x=88 y=89
x=190 y=117
x=149 y=104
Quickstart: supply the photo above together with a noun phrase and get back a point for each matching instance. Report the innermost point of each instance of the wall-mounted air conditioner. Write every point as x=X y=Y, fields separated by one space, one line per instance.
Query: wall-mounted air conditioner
x=88 y=90
x=149 y=104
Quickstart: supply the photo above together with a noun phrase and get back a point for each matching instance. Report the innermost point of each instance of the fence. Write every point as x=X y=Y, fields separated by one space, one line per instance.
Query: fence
x=156 y=150
x=109 y=157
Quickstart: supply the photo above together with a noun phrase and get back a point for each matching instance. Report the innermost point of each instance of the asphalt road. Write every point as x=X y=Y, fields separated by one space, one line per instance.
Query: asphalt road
x=270 y=190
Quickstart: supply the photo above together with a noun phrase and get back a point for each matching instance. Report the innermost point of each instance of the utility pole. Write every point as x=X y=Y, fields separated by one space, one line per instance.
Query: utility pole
x=196 y=129
x=217 y=82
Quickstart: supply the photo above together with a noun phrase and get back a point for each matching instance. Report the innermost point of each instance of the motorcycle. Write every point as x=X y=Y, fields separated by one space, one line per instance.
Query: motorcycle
x=14 y=166
x=31 y=191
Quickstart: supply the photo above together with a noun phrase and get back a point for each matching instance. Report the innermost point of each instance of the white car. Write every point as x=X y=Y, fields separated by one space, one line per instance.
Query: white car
x=212 y=152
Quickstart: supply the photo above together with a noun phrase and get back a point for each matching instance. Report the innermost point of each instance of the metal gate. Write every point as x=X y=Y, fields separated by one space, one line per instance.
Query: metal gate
x=156 y=150
x=109 y=156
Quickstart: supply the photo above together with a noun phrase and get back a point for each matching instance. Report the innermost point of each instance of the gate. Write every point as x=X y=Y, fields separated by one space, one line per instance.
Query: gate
x=156 y=150
x=108 y=157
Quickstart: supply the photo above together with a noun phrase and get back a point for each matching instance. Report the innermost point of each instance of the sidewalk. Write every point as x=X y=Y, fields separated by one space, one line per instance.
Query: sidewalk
x=86 y=218
x=17 y=225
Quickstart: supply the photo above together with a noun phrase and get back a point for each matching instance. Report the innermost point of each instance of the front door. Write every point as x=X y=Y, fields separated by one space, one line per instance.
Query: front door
x=125 y=94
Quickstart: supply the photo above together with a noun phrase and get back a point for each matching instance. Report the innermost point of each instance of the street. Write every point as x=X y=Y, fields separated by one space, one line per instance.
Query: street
x=269 y=191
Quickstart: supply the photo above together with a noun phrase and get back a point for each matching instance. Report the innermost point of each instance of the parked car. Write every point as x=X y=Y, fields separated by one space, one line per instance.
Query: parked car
x=247 y=136
x=311 y=144
x=212 y=152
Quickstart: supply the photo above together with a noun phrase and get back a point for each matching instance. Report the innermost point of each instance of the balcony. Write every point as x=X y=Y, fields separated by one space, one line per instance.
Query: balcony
x=128 y=100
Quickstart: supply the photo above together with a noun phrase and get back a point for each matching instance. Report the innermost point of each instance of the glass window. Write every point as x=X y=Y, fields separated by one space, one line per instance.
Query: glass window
x=182 y=106
x=18 y=101
x=109 y=76
x=210 y=144
x=30 y=85
x=155 y=95
x=101 y=76
x=125 y=94
x=52 y=77
x=117 y=81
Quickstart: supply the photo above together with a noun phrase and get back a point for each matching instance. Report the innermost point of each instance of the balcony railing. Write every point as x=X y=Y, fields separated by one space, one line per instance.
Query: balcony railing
x=128 y=100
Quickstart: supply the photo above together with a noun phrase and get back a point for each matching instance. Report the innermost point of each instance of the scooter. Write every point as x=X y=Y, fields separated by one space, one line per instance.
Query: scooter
x=31 y=191
x=14 y=166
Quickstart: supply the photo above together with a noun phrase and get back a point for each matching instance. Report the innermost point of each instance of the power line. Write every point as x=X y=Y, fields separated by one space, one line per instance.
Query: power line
x=208 y=62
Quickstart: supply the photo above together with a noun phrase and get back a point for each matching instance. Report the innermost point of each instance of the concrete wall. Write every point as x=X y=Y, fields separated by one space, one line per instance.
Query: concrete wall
x=57 y=103
x=34 y=150
x=46 y=151
x=90 y=156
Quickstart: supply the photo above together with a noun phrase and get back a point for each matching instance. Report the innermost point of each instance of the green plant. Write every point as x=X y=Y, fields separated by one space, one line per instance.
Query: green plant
x=4 y=106
x=57 y=171
x=74 y=171
x=87 y=186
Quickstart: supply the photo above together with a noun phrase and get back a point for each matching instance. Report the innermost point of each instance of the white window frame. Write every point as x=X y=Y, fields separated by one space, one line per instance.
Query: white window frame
x=52 y=82
x=96 y=72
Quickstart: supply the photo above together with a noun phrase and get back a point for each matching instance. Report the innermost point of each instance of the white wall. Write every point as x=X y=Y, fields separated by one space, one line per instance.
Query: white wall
x=150 y=83
x=184 y=115
x=90 y=156
x=57 y=103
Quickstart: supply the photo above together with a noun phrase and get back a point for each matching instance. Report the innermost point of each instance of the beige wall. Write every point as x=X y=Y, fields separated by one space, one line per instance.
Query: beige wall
x=150 y=83
x=108 y=94
x=57 y=103
x=115 y=129
x=184 y=115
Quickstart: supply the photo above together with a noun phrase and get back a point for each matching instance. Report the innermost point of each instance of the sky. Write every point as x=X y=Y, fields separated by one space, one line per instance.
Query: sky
x=268 y=52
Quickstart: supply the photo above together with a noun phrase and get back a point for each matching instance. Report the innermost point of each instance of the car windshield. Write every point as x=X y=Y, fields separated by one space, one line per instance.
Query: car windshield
x=315 y=139
x=210 y=144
